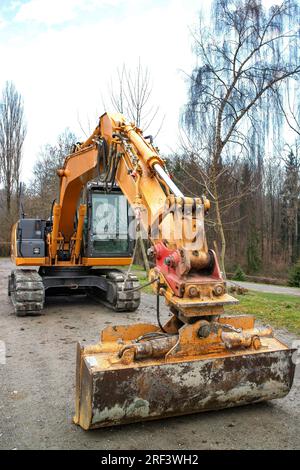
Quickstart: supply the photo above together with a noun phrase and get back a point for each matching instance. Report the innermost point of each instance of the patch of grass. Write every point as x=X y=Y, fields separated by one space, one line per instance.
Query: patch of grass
x=137 y=267
x=278 y=310
x=143 y=278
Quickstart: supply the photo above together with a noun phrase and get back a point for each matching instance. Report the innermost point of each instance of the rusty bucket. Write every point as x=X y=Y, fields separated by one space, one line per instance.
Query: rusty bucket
x=110 y=392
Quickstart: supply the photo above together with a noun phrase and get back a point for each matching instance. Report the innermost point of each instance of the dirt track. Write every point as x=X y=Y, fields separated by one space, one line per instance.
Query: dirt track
x=37 y=390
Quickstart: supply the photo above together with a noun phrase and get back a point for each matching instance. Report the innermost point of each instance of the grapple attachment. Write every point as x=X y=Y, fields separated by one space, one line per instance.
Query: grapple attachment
x=138 y=373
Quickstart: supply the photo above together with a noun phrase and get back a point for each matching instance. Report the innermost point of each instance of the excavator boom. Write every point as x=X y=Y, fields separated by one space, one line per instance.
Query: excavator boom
x=200 y=359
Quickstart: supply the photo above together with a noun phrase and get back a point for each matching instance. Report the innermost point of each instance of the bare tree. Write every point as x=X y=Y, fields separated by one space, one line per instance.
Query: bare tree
x=289 y=105
x=233 y=95
x=44 y=185
x=131 y=95
x=12 y=135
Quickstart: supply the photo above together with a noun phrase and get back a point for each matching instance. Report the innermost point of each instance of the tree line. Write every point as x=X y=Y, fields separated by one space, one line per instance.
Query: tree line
x=260 y=206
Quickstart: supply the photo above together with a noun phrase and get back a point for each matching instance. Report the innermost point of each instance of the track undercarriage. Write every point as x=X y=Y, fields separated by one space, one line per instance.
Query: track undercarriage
x=28 y=288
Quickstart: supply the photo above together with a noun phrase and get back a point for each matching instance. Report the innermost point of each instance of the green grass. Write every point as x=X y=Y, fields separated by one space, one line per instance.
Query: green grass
x=143 y=278
x=137 y=267
x=278 y=310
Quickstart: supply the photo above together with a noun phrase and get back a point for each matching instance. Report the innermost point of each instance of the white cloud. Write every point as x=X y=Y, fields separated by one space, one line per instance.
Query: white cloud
x=3 y=23
x=54 y=12
x=14 y=4
x=50 y=12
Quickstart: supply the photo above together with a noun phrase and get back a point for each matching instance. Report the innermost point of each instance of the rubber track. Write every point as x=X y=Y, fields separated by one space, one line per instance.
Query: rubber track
x=117 y=298
x=27 y=293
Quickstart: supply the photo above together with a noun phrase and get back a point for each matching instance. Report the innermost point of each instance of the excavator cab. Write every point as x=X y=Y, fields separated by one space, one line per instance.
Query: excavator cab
x=107 y=224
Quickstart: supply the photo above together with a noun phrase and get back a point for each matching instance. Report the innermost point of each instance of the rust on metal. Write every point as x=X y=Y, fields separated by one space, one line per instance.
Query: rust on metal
x=179 y=374
x=155 y=390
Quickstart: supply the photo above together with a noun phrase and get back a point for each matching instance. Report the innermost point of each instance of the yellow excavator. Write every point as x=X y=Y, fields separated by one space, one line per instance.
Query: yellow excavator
x=111 y=187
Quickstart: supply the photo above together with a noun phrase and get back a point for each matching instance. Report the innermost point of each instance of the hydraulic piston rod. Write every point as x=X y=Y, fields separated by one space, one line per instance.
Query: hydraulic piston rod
x=166 y=178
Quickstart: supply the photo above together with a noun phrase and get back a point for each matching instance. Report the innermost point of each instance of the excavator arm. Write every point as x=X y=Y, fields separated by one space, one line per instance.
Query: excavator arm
x=188 y=273
x=200 y=359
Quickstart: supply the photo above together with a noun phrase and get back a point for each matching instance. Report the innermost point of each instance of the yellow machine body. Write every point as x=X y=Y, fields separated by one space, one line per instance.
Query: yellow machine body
x=201 y=359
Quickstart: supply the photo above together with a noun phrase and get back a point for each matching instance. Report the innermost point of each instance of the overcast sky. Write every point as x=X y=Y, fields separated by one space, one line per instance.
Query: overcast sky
x=61 y=55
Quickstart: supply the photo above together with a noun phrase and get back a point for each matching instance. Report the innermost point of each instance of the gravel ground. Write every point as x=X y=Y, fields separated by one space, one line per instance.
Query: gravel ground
x=37 y=390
